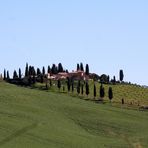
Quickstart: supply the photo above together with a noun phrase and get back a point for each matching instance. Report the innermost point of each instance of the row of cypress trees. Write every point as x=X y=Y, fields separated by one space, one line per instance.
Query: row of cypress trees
x=80 y=89
x=30 y=71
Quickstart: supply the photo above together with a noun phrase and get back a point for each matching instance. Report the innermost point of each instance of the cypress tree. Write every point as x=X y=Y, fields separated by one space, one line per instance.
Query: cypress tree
x=87 y=69
x=30 y=71
x=102 y=92
x=110 y=93
x=81 y=67
x=49 y=70
x=38 y=72
x=87 y=88
x=15 y=76
x=82 y=89
x=54 y=69
x=4 y=74
x=122 y=101
x=59 y=84
x=78 y=67
x=72 y=86
x=20 y=74
x=78 y=87
x=26 y=70
x=68 y=84
x=33 y=71
x=8 y=77
x=60 y=67
x=43 y=71
x=121 y=75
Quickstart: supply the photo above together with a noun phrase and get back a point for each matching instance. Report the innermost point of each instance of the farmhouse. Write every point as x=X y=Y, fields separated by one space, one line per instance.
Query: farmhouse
x=76 y=75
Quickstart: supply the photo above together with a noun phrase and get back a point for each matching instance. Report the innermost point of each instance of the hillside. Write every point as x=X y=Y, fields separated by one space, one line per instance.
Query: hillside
x=133 y=95
x=35 y=119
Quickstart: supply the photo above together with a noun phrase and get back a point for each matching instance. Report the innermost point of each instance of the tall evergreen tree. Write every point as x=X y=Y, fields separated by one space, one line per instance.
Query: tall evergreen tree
x=49 y=70
x=8 y=77
x=33 y=71
x=81 y=67
x=82 y=89
x=78 y=67
x=68 y=84
x=87 y=88
x=110 y=93
x=43 y=71
x=78 y=87
x=54 y=69
x=72 y=86
x=4 y=74
x=15 y=76
x=38 y=72
x=30 y=70
x=95 y=93
x=60 y=67
x=102 y=91
x=20 y=74
x=87 y=69
x=26 y=70
x=59 y=84
x=121 y=75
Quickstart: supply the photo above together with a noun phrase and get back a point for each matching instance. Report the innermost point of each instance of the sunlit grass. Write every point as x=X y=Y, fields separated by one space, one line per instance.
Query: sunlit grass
x=36 y=118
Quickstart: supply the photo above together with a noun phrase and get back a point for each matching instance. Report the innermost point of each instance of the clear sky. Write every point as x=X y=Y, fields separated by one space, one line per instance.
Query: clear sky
x=107 y=34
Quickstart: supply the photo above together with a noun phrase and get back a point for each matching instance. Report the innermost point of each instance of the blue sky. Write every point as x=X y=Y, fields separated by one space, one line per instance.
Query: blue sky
x=107 y=34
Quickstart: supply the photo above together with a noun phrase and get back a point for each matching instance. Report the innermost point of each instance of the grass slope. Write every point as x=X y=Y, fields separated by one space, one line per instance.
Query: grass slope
x=35 y=119
x=132 y=94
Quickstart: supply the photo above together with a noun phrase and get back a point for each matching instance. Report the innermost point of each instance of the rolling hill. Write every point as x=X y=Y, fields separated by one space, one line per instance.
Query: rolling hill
x=34 y=119
x=133 y=95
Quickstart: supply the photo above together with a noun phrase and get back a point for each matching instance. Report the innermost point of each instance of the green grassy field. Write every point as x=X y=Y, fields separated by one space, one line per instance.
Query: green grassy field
x=38 y=119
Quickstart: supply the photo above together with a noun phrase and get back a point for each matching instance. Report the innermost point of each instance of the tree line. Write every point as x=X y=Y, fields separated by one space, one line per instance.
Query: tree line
x=33 y=75
x=84 y=85
x=30 y=71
